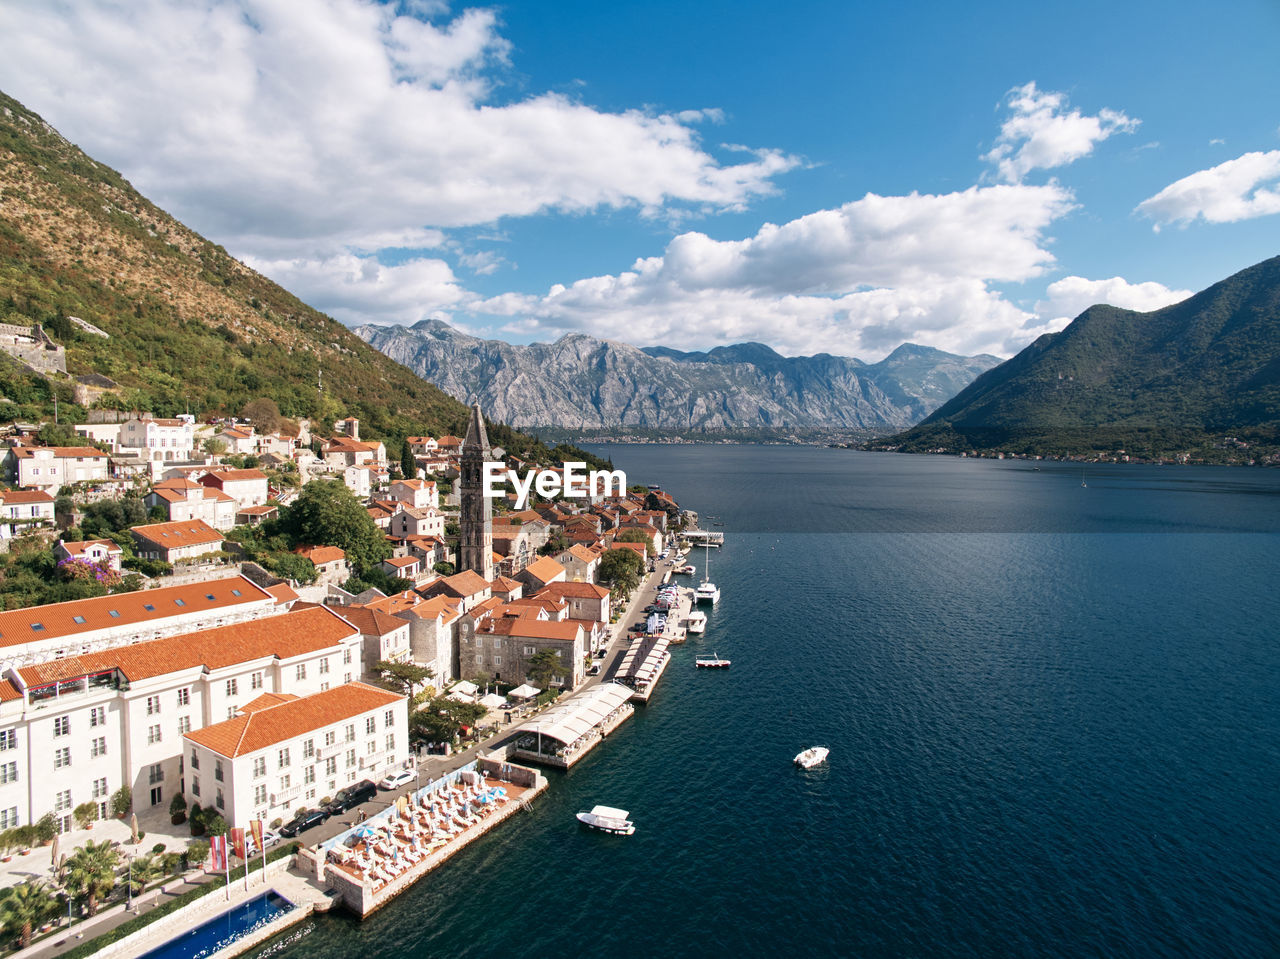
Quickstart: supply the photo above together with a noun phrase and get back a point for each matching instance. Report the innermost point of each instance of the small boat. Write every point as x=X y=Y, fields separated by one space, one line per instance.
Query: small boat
x=712 y=662
x=687 y=570
x=813 y=756
x=607 y=819
x=696 y=621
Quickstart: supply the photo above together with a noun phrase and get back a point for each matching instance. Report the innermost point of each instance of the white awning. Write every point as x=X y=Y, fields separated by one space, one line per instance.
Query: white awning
x=493 y=701
x=524 y=691
x=570 y=721
x=466 y=688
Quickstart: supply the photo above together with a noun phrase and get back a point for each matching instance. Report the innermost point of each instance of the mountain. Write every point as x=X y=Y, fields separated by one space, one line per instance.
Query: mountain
x=186 y=324
x=1186 y=375
x=582 y=382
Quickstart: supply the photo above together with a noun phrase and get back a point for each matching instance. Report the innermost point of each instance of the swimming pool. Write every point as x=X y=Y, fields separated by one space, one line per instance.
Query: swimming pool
x=224 y=929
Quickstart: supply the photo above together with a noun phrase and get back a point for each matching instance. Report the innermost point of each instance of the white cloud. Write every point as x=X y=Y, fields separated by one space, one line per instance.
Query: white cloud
x=359 y=289
x=1072 y=295
x=1040 y=134
x=857 y=280
x=1239 y=189
x=287 y=132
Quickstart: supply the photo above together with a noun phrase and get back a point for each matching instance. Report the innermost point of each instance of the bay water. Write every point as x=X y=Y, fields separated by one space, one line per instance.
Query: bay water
x=1051 y=695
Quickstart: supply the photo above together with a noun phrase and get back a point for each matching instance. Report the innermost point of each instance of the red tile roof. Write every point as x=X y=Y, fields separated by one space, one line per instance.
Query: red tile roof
x=77 y=549
x=533 y=628
x=126 y=609
x=62 y=452
x=19 y=496
x=544 y=569
x=187 y=532
x=319 y=555
x=280 y=637
x=371 y=622
x=577 y=590
x=270 y=725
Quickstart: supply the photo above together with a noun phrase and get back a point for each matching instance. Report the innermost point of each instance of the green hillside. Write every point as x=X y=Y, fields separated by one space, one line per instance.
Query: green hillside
x=189 y=325
x=1180 y=379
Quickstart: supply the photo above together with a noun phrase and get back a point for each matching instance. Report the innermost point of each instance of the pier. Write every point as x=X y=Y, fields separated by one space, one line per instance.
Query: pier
x=568 y=731
x=703 y=537
x=643 y=665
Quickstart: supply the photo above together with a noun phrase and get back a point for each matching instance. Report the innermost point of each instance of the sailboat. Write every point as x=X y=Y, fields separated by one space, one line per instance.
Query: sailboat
x=707 y=591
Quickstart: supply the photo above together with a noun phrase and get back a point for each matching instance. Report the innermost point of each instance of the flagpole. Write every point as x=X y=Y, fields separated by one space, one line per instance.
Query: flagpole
x=262 y=843
x=226 y=860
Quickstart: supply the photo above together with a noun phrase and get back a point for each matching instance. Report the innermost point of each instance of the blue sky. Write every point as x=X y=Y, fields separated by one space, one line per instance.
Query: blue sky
x=835 y=177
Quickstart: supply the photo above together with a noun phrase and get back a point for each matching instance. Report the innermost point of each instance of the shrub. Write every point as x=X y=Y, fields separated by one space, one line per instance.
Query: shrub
x=172 y=862
x=196 y=819
x=215 y=825
x=277 y=823
x=85 y=814
x=197 y=852
x=158 y=848
x=46 y=828
x=121 y=801
x=178 y=810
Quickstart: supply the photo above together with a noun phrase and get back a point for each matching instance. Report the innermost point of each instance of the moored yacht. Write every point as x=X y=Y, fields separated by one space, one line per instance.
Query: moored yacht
x=608 y=819
x=813 y=756
x=695 y=622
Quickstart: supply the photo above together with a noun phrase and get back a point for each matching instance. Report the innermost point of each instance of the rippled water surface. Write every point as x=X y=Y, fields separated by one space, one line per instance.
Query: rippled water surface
x=1052 y=712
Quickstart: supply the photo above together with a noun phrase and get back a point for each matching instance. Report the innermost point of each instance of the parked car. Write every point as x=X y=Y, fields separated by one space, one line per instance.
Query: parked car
x=312 y=817
x=269 y=838
x=396 y=780
x=352 y=796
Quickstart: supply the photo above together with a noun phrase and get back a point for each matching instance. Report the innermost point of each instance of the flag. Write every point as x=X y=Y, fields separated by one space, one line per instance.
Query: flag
x=237 y=842
x=217 y=853
x=255 y=828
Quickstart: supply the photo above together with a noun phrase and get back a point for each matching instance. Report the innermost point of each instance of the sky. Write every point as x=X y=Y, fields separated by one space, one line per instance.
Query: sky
x=834 y=177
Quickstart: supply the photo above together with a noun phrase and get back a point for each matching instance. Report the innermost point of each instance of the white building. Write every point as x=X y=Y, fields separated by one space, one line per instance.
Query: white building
x=158 y=439
x=24 y=509
x=415 y=493
x=246 y=487
x=75 y=730
x=181 y=499
x=282 y=753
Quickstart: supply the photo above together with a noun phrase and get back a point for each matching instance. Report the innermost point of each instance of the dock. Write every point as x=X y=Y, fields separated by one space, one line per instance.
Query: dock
x=566 y=732
x=643 y=665
x=371 y=863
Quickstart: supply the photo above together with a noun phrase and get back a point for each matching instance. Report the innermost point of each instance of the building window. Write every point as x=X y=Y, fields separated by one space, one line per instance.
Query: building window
x=309 y=774
x=259 y=795
x=9 y=817
x=389 y=718
x=98 y=716
x=324 y=687
x=184 y=696
x=346 y=677
x=156 y=773
x=529 y=650
x=8 y=772
x=62 y=757
x=195 y=760
x=497 y=660
x=97 y=747
x=217 y=770
x=100 y=788
x=370 y=725
x=8 y=739
x=195 y=785
x=233 y=687
x=301 y=672
x=330 y=766
x=330 y=737
x=219 y=801
x=62 y=801
x=285 y=781
x=259 y=766
x=391 y=742
x=153 y=735
x=283 y=758
x=308 y=749
x=351 y=732
x=255 y=681
x=62 y=726
x=153 y=705
x=370 y=747
x=184 y=725
x=346 y=657
x=324 y=666
x=351 y=758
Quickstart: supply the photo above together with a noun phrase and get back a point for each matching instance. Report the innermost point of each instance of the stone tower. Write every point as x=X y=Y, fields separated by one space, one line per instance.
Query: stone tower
x=475 y=523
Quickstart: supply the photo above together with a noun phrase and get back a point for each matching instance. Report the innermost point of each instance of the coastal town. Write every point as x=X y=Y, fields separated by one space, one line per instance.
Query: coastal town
x=334 y=722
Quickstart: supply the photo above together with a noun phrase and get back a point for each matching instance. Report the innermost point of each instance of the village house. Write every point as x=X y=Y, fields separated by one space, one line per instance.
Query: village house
x=433 y=625
x=501 y=647
x=404 y=567
x=182 y=500
x=50 y=468
x=541 y=572
x=246 y=487
x=385 y=637
x=282 y=753
x=175 y=542
x=469 y=587
x=580 y=562
x=90 y=551
x=416 y=521
x=22 y=510
x=154 y=438
x=330 y=562
x=585 y=600
x=415 y=493
x=238 y=439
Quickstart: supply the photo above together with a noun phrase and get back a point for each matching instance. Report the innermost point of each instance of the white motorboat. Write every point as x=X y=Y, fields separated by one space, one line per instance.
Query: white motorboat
x=813 y=756
x=608 y=819
x=712 y=662
x=707 y=592
x=696 y=621
x=687 y=570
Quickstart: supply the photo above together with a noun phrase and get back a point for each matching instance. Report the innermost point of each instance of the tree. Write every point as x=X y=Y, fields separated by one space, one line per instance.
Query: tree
x=621 y=569
x=121 y=801
x=145 y=870
x=407 y=677
x=544 y=666
x=214 y=824
x=441 y=719
x=85 y=813
x=178 y=809
x=555 y=545
x=91 y=872
x=30 y=904
x=264 y=414
x=326 y=513
x=197 y=852
x=408 y=465
x=634 y=535
x=215 y=447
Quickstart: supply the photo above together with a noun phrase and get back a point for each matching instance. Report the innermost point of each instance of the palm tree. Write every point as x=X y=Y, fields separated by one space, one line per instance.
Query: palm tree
x=25 y=908
x=91 y=871
x=145 y=869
